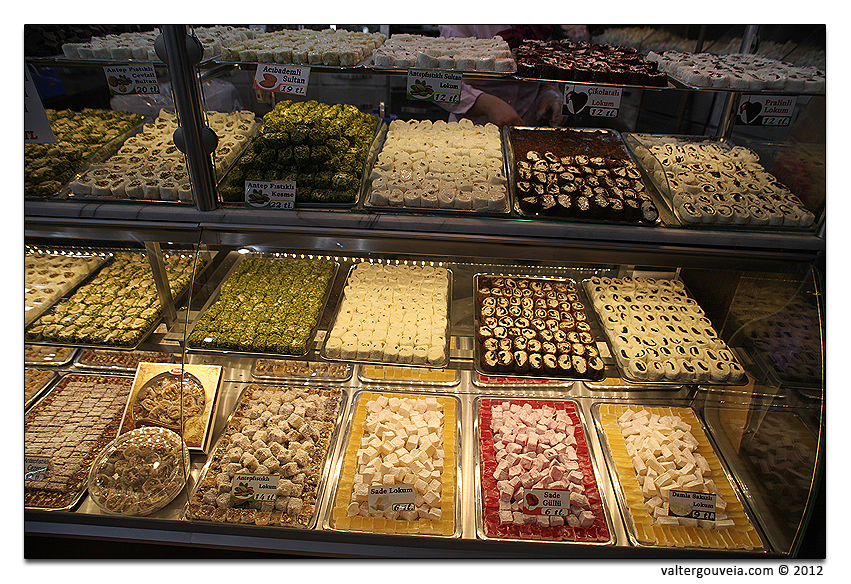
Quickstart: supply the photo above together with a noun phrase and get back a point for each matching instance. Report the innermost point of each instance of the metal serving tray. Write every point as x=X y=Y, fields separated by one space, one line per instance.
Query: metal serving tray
x=510 y=163
x=674 y=384
x=371 y=152
x=479 y=463
x=441 y=365
x=366 y=376
x=50 y=377
x=351 y=433
x=617 y=480
x=327 y=455
x=69 y=500
x=636 y=142
x=98 y=359
x=48 y=355
x=178 y=300
x=381 y=139
x=214 y=297
x=477 y=356
x=280 y=370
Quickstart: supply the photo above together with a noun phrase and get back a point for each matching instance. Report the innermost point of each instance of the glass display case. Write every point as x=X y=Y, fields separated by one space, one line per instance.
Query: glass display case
x=465 y=362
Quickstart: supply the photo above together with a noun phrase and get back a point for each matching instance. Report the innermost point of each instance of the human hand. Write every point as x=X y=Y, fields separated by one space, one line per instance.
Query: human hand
x=499 y=112
x=548 y=110
x=576 y=32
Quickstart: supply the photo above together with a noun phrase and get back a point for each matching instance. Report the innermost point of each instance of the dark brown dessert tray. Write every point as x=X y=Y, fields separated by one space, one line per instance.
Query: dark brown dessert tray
x=545 y=138
x=479 y=349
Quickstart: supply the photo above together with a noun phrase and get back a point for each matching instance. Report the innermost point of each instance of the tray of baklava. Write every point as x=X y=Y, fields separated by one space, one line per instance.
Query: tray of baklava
x=266 y=306
x=119 y=307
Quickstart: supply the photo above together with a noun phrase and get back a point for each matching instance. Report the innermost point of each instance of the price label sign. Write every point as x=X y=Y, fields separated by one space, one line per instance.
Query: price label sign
x=546 y=502
x=436 y=86
x=270 y=194
x=282 y=78
x=387 y=498
x=598 y=100
x=253 y=487
x=37 y=128
x=765 y=110
x=692 y=505
x=132 y=79
x=35 y=467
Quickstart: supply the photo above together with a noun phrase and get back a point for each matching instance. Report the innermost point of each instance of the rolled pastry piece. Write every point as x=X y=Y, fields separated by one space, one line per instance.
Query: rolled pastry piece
x=719 y=371
x=637 y=370
x=428 y=199
x=672 y=370
x=464 y=200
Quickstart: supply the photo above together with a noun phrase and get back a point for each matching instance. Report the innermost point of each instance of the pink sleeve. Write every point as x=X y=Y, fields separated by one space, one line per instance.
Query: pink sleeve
x=469 y=95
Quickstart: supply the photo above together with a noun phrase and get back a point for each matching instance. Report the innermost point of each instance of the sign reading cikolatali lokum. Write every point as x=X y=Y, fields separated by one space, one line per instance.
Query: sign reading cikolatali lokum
x=598 y=101
x=282 y=78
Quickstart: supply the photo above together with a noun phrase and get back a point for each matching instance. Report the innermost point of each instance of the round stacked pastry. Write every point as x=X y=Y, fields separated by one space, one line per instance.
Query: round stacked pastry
x=534 y=327
x=446 y=165
x=659 y=333
x=139 y=473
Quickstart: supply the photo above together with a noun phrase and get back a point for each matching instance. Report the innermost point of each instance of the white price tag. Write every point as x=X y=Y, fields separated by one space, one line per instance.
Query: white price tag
x=387 y=498
x=546 y=502
x=35 y=467
x=601 y=101
x=437 y=86
x=37 y=128
x=282 y=78
x=692 y=504
x=766 y=110
x=132 y=79
x=252 y=487
x=270 y=194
